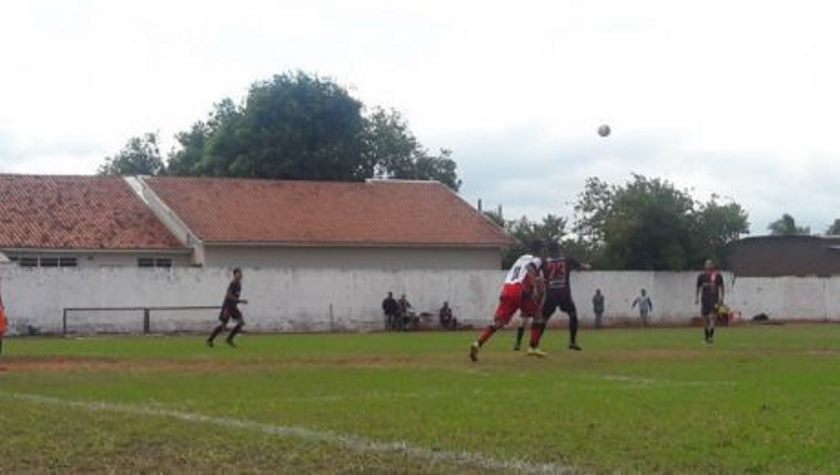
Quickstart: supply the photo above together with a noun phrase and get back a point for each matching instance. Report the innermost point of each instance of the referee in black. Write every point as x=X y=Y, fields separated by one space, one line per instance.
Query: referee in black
x=230 y=310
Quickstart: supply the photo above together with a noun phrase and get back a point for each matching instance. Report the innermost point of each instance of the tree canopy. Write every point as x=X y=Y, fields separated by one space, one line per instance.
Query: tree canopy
x=647 y=223
x=786 y=226
x=299 y=126
x=139 y=156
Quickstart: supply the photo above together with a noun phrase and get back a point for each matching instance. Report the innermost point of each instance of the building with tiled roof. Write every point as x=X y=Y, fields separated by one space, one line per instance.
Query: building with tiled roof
x=56 y=221
x=70 y=221
x=378 y=223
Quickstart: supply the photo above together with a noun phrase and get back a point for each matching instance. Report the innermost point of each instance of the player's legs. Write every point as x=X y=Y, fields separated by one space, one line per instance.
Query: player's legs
x=509 y=303
x=236 y=315
x=568 y=305
x=530 y=311
x=539 y=324
x=709 y=322
x=224 y=317
x=520 y=331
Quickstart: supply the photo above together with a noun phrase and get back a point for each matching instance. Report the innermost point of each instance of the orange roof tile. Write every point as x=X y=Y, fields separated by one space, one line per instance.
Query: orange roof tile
x=373 y=213
x=77 y=212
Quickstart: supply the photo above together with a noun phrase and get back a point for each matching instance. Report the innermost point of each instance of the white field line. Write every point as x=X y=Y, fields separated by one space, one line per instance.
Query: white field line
x=656 y=381
x=347 y=441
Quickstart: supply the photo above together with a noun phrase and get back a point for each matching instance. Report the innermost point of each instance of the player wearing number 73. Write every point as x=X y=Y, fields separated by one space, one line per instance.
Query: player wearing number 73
x=555 y=270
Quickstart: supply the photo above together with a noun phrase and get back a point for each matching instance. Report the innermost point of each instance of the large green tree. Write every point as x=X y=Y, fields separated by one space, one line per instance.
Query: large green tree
x=139 y=156
x=300 y=126
x=649 y=224
x=396 y=153
x=786 y=226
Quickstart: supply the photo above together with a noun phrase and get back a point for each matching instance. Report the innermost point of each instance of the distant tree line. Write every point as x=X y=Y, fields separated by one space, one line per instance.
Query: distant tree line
x=644 y=224
x=295 y=126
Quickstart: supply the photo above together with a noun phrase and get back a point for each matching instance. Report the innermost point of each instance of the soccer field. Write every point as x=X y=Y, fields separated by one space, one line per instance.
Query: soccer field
x=762 y=399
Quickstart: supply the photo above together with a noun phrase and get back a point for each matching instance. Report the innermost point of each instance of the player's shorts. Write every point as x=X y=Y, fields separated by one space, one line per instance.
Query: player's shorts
x=229 y=312
x=510 y=301
x=706 y=308
x=555 y=300
x=529 y=307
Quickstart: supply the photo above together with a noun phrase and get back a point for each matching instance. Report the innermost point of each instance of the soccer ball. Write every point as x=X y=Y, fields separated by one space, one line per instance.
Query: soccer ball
x=604 y=130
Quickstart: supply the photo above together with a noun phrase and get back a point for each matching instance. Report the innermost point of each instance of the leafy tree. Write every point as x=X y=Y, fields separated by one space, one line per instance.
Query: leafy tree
x=716 y=226
x=139 y=156
x=395 y=152
x=834 y=229
x=551 y=227
x=298 y=126
x=649 y=224
x=786 y=226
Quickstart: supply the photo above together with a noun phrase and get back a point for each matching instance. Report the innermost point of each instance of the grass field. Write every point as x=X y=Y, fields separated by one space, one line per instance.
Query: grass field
x=762 y=399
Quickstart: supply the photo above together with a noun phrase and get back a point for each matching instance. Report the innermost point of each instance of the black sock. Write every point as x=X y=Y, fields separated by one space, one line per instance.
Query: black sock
x=711 y=333
x=573 y=327
x=519 y=333
x=216 y=332
x=234 y=332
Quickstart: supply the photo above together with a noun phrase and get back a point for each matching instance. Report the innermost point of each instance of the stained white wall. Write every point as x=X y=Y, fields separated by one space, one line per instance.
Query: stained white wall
x=323 y=299
x=374 y=258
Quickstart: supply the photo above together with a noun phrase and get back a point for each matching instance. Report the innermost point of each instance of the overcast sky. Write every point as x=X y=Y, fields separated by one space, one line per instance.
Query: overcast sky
x=735 y=97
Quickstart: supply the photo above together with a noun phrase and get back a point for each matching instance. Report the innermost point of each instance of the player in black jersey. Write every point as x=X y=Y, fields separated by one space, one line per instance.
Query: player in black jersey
x=555 y=271
x=230 y=310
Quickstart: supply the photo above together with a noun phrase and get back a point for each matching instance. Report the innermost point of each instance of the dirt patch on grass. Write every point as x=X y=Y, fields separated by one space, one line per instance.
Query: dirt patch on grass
x=45 y=364
x=97 y=365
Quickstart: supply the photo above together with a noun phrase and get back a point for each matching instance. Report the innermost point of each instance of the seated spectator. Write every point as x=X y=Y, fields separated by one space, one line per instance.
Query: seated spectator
x=446 y=319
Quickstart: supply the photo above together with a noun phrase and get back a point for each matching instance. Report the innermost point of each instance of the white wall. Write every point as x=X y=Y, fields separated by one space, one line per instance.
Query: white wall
x=353 y=258
x=302 y=299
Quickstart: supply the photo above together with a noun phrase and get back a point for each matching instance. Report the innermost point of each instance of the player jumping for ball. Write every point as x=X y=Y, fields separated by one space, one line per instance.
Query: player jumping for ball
x=555 y=271
x=709 y=293
x=536 y=249
x=230 y=310
x=522 y=291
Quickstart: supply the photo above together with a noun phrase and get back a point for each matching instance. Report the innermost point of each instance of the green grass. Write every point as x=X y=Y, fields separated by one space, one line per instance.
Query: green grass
x=762 y=399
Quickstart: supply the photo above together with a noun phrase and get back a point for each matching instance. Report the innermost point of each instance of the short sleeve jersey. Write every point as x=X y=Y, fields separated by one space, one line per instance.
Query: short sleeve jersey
x=556 y=272
x=518 y=273
x=709 y=283
x=234 y=289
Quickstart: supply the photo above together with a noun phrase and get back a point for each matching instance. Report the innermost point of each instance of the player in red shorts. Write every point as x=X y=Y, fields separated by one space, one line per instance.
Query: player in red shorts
x=522 y=291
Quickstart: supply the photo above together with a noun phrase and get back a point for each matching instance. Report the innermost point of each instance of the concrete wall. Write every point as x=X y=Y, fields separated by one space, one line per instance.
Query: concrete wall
x=324 y=299
x=353 y=258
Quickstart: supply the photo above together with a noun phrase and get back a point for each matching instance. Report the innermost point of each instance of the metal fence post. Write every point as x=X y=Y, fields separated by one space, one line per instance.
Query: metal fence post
x=147 y=324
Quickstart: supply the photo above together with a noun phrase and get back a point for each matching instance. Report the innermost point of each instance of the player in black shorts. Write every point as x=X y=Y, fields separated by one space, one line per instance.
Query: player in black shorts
x=230 y=310
x=709 y=293
x=555 y=271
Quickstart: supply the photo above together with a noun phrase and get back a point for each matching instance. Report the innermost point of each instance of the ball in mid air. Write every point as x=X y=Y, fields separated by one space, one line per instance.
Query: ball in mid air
x=604 y=130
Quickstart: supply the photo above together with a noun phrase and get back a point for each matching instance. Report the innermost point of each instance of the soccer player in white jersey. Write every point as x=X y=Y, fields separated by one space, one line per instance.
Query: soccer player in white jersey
x=522 y=290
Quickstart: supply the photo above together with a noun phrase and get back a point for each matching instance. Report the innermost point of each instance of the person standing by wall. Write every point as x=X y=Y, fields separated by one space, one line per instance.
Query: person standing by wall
x=391 y=309
x=645 y=306
x=598 y=307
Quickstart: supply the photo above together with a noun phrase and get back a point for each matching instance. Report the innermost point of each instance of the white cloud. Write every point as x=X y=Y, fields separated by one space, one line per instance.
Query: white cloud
x=733 y=97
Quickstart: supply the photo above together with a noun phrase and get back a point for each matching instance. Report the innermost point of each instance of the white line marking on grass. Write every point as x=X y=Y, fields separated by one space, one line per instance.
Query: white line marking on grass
x=653 y=381
x=347 y=441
